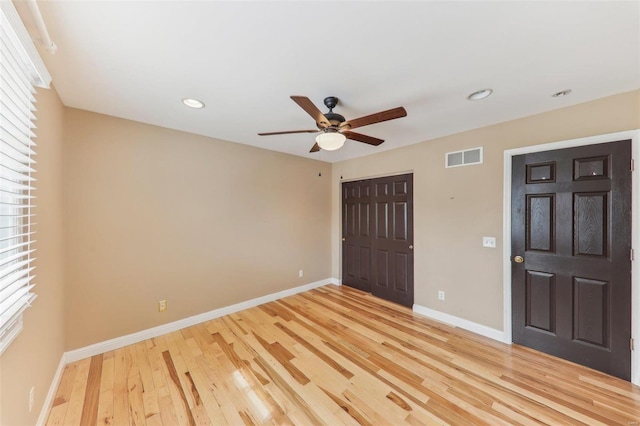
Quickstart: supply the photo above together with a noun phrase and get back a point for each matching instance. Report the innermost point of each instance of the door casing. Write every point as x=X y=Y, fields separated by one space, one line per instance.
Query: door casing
x=634 y=135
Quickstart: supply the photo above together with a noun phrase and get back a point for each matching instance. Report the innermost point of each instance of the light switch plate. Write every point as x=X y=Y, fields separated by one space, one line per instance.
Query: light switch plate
x=489 y=242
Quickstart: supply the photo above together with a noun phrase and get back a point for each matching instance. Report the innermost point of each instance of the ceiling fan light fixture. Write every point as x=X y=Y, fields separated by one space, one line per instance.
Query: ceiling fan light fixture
x=193 y=103
x=480 y=94
x=330 y=141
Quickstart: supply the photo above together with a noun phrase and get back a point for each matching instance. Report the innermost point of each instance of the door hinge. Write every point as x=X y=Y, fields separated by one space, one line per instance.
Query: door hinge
x=633 y=164
x=631 y=343
x=631 y=255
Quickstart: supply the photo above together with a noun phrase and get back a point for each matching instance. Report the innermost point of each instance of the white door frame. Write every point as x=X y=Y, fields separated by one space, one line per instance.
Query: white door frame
x=634 y=135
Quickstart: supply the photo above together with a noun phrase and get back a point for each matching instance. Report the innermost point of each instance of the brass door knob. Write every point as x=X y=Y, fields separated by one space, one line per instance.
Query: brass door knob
x=518 y=259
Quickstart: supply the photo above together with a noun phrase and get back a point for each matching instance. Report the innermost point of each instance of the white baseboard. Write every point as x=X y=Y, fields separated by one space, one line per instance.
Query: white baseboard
x=48 y=401
x=335 y=281
x=474 y=327
x=130 y=339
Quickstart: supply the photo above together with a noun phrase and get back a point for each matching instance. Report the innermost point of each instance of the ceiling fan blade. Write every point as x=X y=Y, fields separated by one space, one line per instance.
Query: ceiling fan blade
x=362 y=138
x=378 y=117
x=306 y=104
x=315 y=148
x=287 y=132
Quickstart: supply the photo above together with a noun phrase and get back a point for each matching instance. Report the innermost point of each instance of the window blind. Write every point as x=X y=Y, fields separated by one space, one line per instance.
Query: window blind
x=17 y=78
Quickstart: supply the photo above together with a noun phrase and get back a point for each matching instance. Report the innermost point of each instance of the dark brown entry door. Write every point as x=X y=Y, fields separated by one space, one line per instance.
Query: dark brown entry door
x=377 y=237
x=571 y=229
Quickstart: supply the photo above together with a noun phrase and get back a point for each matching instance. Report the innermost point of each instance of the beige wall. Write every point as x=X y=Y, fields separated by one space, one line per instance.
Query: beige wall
x=454 y=208
x=155 y=214
x=32 y=359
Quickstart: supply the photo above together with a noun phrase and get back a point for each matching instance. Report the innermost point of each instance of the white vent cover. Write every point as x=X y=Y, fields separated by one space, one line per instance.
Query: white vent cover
x=463 y=158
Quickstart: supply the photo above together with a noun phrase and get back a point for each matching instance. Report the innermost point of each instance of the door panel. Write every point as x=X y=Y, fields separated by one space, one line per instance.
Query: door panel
x=356 y=235
x=378 y=237
x=540 y=297
x=541 y=220
x=590 y=238
x=590 y=310
x=571 y=221
x=394 y=229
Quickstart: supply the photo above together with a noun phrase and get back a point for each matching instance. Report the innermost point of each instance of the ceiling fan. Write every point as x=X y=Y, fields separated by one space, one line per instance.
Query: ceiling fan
x=334 y=128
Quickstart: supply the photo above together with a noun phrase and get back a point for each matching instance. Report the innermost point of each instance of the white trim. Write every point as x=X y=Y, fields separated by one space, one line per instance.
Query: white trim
x=335 y=281
x=130 y=339
x=474 y=327
x=40 y=74
x=45 y=38
x=634 y=135
x=48 y=401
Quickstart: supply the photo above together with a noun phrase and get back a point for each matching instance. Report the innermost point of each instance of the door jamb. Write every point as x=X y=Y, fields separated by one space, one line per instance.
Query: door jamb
x=634 y=135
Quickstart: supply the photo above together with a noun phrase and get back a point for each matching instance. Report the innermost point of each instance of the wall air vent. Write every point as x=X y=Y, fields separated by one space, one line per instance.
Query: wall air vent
x=463 y=158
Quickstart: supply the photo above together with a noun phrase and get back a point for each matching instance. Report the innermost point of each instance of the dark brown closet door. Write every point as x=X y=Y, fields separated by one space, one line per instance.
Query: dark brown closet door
x=356 y=235
x=382 y=261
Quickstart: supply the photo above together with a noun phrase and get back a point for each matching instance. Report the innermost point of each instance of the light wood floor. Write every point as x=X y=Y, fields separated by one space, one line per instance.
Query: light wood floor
x=335 y=356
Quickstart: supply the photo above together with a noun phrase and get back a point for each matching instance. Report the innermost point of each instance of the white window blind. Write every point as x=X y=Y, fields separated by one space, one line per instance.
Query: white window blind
x=17 y=78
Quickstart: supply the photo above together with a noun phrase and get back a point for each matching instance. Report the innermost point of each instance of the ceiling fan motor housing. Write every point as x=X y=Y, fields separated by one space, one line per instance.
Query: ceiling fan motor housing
x=334 y=119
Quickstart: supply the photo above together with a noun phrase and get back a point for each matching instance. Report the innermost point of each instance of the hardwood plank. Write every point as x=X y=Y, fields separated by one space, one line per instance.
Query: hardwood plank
x=155 y=347
x=76 y=398
x=173 y=374
x=120 y=390
x=66 y=384
x=149 y=392
x=105 y=402
x=335 y=355
x=63 y=393
x=92 y=393
x=57 y=414
x=134 y=388
x=105 y=408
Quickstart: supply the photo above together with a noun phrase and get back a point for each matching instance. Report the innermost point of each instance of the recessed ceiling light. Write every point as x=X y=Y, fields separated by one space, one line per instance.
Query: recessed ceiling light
x=193 y=103
x=480 y=94
x=562 y=93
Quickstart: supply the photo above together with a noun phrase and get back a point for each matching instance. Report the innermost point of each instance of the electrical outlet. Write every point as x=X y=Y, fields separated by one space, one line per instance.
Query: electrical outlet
x=300 y=273
x=440 y=295
x=162 y=306
x=31 y=392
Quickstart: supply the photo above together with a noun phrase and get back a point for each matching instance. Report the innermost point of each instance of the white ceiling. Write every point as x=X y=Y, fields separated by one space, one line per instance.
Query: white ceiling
x=137 y=60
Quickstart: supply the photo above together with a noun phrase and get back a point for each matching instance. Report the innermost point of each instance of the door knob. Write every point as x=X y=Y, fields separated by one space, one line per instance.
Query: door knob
x=344 y=239
x=518 y=259
x=411 y=247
